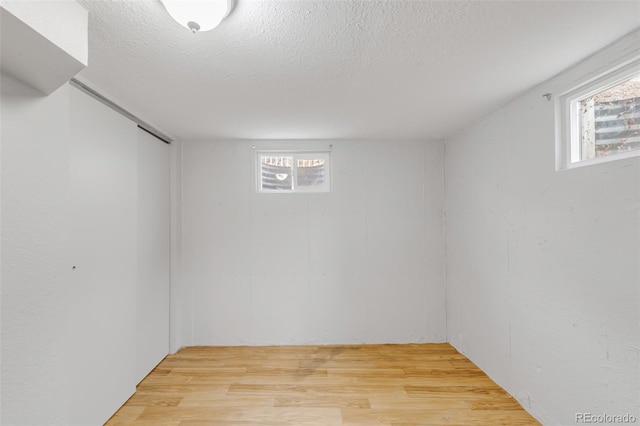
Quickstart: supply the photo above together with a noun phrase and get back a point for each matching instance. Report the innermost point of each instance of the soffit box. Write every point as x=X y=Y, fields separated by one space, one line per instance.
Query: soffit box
x=43 y=43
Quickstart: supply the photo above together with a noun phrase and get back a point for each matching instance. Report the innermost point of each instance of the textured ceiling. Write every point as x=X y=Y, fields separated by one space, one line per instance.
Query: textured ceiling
x=352 y=69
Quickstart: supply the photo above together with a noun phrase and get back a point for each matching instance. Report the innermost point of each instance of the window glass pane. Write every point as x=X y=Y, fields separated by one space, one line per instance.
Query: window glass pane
x=610 y=120
x=310 y=172
x=276 y=172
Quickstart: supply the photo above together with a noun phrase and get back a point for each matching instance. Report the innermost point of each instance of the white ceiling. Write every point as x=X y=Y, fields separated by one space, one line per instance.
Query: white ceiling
x=350 y=69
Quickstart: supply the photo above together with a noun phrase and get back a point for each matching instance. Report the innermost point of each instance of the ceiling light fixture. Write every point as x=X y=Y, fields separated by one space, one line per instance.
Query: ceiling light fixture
x=198 y=15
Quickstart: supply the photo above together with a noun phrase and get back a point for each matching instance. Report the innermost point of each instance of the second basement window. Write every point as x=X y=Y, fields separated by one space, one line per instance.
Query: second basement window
x=286 y=172
x=602 y=118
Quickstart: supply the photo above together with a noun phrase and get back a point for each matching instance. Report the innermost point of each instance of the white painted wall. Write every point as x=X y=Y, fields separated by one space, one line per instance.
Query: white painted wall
x=76 y=341
x=35 y=255
x=362 y=264
x=542 y=266
x=45 y=16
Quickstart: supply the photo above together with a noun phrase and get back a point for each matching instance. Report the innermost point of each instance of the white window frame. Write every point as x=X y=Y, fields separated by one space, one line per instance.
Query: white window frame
x=295 y=155
x=568 y=112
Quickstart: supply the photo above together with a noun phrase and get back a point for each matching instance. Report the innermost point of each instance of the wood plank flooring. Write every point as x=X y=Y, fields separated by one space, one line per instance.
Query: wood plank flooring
x=372 y=385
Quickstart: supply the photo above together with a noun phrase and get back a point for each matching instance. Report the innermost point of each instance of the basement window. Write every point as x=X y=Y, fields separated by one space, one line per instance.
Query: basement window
x=601 y=119
x=290 y=172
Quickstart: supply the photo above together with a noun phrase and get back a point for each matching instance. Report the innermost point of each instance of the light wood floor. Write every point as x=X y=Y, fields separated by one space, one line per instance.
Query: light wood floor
x=372 y=385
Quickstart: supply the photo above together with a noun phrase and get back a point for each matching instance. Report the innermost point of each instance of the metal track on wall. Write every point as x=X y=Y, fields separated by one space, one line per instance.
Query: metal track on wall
x=141 y=124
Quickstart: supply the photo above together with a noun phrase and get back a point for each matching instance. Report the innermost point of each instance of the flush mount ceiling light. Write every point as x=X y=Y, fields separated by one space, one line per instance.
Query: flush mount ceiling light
x=198 y=15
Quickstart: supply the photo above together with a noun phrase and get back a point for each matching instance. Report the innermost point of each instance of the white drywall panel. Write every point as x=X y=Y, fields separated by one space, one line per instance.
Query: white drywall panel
x=154 y=252
x=35 y=255
x=542 y=266
x=44 y=17
x=104 y=235
x=361 y=264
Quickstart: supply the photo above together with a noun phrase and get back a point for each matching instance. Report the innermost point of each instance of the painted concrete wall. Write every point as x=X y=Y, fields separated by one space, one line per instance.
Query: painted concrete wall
x=361 y=264
x=542 y=266
x=74 y=341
